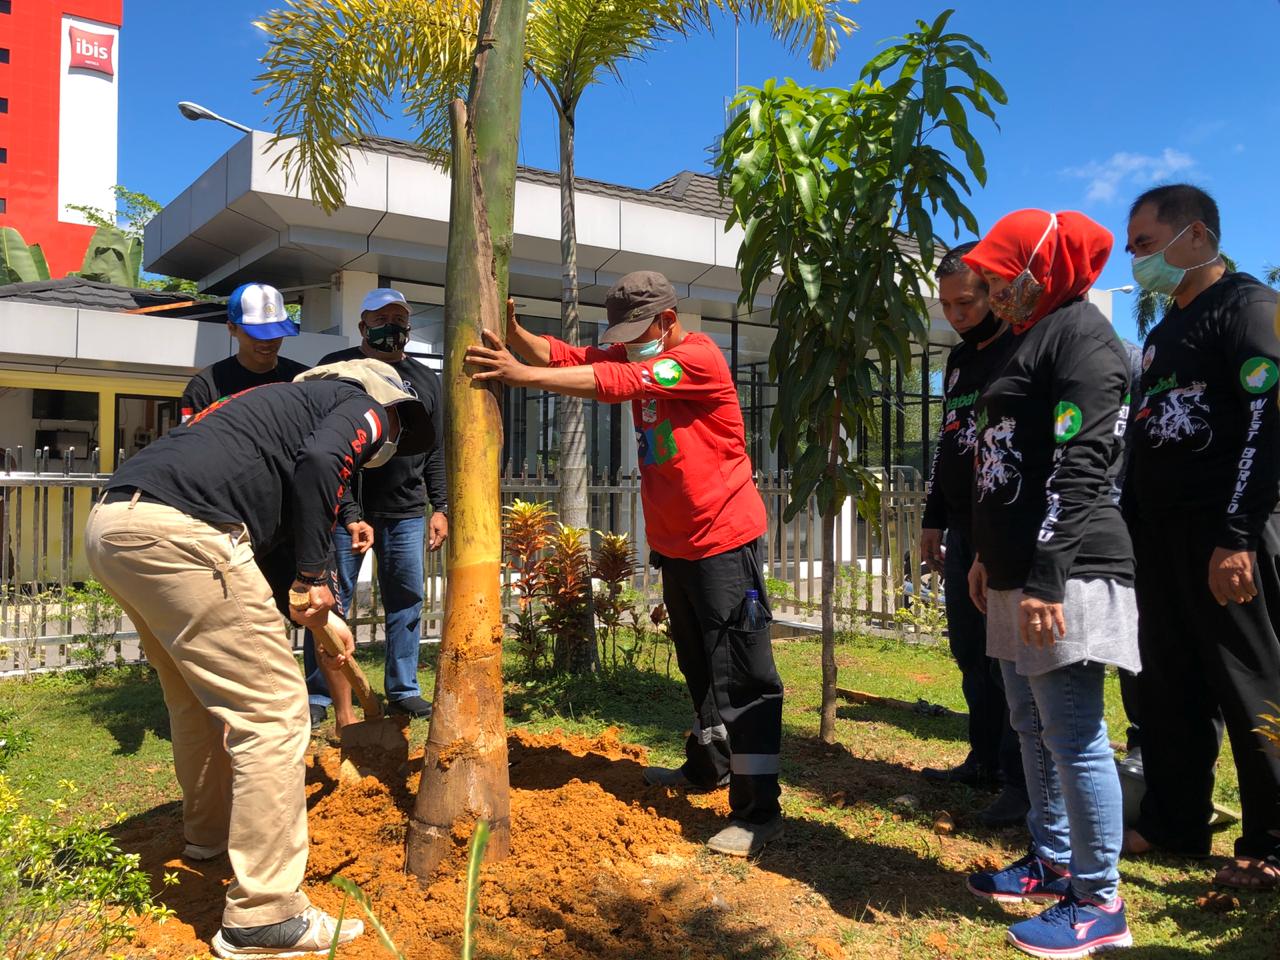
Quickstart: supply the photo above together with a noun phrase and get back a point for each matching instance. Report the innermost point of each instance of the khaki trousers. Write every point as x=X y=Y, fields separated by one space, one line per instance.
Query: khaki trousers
x=236 y=698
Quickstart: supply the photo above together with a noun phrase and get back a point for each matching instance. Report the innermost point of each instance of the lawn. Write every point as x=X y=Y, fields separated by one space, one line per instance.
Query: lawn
x=873 y=870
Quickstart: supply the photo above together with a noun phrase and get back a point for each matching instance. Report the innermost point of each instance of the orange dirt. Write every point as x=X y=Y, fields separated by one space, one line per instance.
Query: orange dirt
x=601 y=867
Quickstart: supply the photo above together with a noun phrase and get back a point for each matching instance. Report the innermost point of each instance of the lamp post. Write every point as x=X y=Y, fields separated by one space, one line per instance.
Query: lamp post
x=1127 y=288
x=194 y=111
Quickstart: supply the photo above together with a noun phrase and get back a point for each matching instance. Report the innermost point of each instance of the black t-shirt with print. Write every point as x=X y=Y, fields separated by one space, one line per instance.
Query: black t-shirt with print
x=950 y=502
x=230 y=376
x=1207 y=428
x=1050 y=429
x=401 y=488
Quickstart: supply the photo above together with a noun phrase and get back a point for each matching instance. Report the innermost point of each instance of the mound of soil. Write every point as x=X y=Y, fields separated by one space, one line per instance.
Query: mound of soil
x=601 y=866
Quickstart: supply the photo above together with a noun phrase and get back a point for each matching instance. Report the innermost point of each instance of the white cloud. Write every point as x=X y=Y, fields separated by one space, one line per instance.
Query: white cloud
x=1129 y=169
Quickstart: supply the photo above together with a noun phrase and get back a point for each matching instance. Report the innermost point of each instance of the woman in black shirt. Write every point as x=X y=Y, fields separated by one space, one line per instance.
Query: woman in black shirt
x=1054 y=568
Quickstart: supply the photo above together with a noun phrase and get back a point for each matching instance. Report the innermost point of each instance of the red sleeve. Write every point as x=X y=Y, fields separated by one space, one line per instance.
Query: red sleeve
x=563 y=355
x=691 y=371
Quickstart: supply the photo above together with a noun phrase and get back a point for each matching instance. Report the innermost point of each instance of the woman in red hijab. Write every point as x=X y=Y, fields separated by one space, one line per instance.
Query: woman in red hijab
x=1054 y=569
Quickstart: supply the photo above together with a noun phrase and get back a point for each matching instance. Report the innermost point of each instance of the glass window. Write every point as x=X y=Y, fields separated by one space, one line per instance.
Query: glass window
x=141 y=420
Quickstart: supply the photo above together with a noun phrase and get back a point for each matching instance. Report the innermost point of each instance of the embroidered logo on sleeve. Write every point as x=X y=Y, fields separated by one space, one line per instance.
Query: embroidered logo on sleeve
x=1066 y=421
x=667 y=372
x=1258 y=375
x=953 y=379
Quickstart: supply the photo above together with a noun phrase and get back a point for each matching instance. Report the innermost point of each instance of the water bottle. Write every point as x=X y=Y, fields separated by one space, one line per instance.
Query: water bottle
x=755 y=617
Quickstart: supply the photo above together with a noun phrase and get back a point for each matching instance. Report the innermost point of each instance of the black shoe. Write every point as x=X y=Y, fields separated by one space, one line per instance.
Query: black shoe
x=1009 y=808
x=318 y=714
x=414 y=707
x=970 y=773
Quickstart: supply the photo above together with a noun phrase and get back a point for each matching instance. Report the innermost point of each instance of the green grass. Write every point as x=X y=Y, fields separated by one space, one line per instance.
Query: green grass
x=894 y=887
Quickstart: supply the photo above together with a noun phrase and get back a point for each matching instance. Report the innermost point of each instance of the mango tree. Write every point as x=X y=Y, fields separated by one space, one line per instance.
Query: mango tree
x=837 y=190
x=464 y=775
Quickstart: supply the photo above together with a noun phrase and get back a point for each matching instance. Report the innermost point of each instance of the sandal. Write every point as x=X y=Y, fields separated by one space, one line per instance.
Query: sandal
x=1250 y=873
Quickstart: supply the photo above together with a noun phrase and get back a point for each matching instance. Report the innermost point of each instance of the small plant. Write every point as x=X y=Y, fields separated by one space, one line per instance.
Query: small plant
x=925 y=616
x=615 y=564
x=1269 y=728
x=850 y=591
x=32 y=613
x=528 y=528
x=66 y=889
x=13 y=739
x=97 y=613
x=568 y=582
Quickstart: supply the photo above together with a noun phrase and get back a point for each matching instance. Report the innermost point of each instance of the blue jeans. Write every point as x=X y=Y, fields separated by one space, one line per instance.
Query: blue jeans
x=1076 y=816
x=398 y=546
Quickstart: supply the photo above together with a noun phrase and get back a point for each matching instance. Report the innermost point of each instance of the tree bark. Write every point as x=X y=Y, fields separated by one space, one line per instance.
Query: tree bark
x=576 y=653
x=827 y=724
x=464 y=772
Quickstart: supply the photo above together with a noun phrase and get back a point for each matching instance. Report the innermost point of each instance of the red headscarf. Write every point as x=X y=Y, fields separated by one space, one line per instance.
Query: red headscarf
x=1068 y=262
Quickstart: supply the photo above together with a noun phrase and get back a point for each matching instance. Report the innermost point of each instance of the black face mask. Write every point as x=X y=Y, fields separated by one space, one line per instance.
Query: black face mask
x=390 y=338
x=983 y=330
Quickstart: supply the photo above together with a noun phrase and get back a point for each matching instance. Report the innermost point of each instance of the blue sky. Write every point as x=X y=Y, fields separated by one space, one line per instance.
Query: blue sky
x=1105 y=98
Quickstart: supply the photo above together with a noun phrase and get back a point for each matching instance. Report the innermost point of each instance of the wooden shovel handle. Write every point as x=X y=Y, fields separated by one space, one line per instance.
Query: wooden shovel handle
x=331 y=636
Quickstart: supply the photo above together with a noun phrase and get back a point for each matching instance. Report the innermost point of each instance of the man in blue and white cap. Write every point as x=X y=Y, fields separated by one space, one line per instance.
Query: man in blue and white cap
x=388 y=513
x=258 y=321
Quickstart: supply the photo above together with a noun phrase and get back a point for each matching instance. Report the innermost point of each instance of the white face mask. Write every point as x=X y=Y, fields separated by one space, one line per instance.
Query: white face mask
x=636 y=352
x=385 y=453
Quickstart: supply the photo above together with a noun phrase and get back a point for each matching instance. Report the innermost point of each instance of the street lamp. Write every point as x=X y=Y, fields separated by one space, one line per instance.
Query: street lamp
x=194 y=111
x=1127 y=288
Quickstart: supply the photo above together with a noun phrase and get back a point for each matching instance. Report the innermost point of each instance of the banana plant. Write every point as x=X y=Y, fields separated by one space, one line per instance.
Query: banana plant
x=20 y=262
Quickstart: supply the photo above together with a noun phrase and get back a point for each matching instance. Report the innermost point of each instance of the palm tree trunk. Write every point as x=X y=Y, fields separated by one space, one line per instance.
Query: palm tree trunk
x=575 y=653
x=464 y=770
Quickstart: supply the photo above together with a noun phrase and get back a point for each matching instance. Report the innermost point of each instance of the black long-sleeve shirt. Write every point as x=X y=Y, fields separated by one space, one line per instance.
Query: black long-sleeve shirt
x=276 y=458
x=1208 y=429
x=1050 y=427
x=230 y=376
x=402 y=487
x=950 y=501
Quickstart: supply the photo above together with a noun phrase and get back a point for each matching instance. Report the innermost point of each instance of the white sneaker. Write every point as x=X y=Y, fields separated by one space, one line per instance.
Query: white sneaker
x=312 y=931
x=193 y=851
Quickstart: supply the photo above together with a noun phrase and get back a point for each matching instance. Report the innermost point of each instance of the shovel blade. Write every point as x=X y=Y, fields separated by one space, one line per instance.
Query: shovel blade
x=380 y=745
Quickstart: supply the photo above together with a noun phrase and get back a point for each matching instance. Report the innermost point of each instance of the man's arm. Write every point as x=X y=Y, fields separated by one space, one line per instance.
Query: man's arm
x=528 y=346
x=194 y=398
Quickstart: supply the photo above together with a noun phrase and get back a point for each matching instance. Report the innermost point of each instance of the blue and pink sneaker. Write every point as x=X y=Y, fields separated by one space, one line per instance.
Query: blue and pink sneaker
x=1028 y=879
x=1072 y=928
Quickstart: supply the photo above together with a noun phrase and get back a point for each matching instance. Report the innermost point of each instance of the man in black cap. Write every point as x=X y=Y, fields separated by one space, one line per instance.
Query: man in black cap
x=703 y=517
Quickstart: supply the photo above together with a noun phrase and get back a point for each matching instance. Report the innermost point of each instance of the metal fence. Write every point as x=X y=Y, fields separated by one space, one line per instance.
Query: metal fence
x=43 y=514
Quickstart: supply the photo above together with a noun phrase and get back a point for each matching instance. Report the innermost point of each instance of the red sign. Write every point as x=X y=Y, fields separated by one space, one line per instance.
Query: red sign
x=92 y=51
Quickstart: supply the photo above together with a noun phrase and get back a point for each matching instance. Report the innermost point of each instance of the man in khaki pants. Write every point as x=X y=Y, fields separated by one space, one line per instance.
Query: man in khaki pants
x=174 y=539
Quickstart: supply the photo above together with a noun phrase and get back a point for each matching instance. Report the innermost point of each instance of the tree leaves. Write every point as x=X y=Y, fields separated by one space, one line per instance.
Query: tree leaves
x=831 y=185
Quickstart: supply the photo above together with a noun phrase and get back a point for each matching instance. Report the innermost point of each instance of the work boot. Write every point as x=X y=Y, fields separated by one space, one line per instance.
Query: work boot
x=742 y=839
x=971 y=773
x=1009 y=808
x=675 y=778
x=414 y=707
x=312 y=931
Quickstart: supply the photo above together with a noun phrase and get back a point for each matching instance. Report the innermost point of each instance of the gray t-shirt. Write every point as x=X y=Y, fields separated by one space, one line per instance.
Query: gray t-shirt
x=1102 y=627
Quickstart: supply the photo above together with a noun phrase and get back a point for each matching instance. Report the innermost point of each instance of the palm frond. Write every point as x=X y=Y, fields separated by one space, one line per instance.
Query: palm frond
x=333 y=66
x=812 y=25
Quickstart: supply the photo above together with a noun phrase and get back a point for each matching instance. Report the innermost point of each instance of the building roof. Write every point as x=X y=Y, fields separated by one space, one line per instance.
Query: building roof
x=688 y=191
x=79 y=293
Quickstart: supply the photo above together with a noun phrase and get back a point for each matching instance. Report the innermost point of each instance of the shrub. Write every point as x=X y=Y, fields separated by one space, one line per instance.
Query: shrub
x=614 y=564
x=98 y=614
x=527 y=530
x=66 y=889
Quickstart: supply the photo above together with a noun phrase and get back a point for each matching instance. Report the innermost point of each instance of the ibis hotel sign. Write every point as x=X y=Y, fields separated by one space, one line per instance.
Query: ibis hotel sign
x=92 y=51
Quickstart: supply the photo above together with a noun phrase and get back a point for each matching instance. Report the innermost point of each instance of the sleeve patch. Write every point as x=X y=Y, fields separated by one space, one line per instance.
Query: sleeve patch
x=1258 y=375
x=667 y=372
x=1067 y=421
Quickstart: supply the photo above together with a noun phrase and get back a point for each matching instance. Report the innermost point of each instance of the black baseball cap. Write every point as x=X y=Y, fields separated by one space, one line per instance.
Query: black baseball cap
x=633 y=302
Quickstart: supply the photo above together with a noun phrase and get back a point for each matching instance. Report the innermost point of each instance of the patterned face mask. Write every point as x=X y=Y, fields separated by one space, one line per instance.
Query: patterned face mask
x=1018 y=301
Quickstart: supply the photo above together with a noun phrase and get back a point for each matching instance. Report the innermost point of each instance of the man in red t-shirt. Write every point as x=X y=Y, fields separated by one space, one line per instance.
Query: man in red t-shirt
x=704 y=518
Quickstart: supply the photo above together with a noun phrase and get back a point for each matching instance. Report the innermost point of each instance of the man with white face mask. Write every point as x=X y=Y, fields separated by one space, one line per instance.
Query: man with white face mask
x=1201 y=499
x=703 y=516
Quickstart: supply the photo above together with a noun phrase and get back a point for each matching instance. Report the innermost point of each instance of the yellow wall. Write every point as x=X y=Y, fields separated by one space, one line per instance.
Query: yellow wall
x=107 y=387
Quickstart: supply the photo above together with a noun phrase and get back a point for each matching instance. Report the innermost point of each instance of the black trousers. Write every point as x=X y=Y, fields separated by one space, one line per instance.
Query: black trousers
x=736 y=690
x=1200 y=659
x=992 y=741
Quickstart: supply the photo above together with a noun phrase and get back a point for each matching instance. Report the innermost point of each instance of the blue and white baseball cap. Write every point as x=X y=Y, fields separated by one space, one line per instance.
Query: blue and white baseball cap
x=380 y=297
x=259 y=310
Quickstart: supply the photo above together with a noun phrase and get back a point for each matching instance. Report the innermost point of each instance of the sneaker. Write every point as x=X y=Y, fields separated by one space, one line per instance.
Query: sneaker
x=1027 y=879
x=312 y=931
x=742 y=839
x=675 y=778
x=194 y=851
x=318 y=714
x=414 y=707
x=970 y=774
x=1073 y=928
x=1009 y=808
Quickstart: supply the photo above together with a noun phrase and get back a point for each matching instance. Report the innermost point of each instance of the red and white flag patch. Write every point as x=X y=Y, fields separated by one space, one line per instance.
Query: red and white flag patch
x=375 y=426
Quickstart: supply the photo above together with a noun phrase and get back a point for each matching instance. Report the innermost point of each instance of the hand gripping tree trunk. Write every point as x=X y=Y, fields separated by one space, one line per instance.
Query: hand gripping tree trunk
x=464 y=772
x=575 y=651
